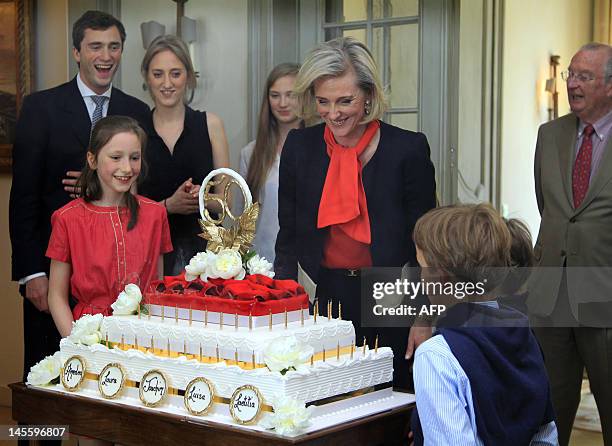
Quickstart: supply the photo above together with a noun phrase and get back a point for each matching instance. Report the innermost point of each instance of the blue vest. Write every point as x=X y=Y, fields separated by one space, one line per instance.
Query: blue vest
x=504 y=364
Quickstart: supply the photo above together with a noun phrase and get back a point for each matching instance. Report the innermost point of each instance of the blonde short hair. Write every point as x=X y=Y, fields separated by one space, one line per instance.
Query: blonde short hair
x=335 y=58
x=467 y=241
x=177 y=47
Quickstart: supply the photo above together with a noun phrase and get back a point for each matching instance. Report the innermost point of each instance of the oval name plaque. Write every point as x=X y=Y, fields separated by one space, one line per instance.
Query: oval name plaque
x=73 y=373
x=199 y=396
x=153 y=388
x=111 y=380
x=246 y=404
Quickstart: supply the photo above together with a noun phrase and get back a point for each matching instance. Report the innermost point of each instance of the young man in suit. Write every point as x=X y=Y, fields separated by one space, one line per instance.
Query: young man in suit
x=571 y=299
x=51 y=140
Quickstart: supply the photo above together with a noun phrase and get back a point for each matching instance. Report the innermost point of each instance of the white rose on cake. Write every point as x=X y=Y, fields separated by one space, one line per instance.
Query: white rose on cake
x=286 y=353
x=128 y=300
x=290 y=416
x=86 y=330
x=259 y=265
x=45 y=371
x=227 y=265
x=199 y=266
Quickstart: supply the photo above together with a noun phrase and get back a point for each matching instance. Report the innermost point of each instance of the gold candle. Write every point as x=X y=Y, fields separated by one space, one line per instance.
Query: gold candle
x=200 y=352
x=217 y=352
x=329 y=309
x=106 y=339
x=176 y=313
x=270 y=320
x=302 y=316
x=253 y=359
x=340 y=311
x=185 y=347
x=190 y=315
x=136 y=342
x=250 y=320
x=286 y=318
x=352 y=348
x=316 y=310
x=206 y=316
x=338 y=351
x=168 y=345
x=152 y=345
x=312 y=360
x=221 y=321
x=163 y=313
x=323 y=353
x=122 y=343
x=138 y=310
x=364 y=345
x=236 y=321
x=236 y=356
x=376 y=344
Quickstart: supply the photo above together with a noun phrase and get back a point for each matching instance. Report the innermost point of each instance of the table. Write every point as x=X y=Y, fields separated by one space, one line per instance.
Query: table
x=138 y=425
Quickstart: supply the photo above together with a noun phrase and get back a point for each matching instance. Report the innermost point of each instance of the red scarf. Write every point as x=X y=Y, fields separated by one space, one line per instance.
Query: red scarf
x=343 y=202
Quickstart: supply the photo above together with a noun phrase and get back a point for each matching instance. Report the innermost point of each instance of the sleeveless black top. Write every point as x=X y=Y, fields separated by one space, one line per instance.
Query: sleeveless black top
x=192 y=158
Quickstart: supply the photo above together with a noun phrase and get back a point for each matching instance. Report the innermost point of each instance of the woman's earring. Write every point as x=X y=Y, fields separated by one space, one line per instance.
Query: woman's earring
x=366 y=107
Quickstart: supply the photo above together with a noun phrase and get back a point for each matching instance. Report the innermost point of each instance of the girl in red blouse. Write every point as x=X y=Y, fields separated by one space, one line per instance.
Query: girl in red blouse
x=109 y=237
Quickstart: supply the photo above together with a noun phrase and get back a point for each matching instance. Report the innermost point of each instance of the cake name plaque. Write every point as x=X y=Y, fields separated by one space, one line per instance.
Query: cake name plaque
x=246 y=404
x=111 y=380
x=199 y=395
x=73 y=373
x=153 y=388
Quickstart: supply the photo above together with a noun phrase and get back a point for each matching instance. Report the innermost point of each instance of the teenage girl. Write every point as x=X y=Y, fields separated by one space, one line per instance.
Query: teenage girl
x=109 y=236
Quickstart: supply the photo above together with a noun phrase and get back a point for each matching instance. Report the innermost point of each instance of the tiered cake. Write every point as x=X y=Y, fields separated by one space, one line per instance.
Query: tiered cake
x=207 y=347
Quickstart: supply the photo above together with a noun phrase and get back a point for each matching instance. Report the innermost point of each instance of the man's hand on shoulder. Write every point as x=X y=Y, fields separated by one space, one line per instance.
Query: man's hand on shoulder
x=36 y=291
x=72 y=176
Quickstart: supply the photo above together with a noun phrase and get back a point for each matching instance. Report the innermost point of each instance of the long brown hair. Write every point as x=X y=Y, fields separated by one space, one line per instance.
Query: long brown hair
x=264 y=152
x=103 y=132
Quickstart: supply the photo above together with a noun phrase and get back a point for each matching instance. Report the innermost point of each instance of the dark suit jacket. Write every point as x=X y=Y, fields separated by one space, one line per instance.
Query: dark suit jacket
x=580 y=239
x=51 y=138
x=399 y=182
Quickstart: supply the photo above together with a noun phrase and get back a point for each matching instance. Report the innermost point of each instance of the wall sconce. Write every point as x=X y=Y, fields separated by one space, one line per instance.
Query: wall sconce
x=186 y=29
x=551 y=87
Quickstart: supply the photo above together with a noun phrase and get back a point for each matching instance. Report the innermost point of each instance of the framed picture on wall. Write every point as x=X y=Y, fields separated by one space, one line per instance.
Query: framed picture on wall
x=15 y=69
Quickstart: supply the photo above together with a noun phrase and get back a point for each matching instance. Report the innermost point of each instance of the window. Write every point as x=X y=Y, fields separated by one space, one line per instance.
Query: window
x=390 y=28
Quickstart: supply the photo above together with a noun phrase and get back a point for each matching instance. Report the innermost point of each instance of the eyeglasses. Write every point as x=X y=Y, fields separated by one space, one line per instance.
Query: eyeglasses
x=578 y=77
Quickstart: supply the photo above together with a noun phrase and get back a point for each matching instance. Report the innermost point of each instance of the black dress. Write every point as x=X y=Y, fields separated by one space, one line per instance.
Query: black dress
x=192 y=158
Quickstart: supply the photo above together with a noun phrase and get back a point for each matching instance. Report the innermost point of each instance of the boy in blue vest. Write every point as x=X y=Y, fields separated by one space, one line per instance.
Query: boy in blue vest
x=480 y=380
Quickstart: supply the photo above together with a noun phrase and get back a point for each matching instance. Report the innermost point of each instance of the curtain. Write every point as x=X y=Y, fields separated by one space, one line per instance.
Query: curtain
x=602 y=21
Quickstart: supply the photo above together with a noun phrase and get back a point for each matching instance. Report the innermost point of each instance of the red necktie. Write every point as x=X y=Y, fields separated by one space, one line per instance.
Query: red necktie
x=582 y=167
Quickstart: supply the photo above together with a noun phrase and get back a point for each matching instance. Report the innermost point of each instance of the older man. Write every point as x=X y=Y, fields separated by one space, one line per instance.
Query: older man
x=52 y=135
x=571 y=300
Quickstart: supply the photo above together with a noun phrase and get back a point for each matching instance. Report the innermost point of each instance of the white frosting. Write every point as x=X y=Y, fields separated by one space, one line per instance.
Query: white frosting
x=325 y=333
x=308 y=383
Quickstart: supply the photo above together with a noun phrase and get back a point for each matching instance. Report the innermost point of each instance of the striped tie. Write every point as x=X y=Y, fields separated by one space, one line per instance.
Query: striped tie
x=97 y=114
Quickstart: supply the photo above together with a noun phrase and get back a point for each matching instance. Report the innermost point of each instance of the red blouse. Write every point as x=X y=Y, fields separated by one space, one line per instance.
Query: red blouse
x=104 y=255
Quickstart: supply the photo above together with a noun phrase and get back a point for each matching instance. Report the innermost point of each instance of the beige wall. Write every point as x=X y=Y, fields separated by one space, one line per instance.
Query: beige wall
x=220 y=57
x=551 y=27
x=51 y=69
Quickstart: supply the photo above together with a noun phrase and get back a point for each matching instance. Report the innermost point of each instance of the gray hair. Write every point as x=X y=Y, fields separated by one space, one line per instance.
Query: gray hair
x=177 y=47
x=596 y=46
x=335 y=58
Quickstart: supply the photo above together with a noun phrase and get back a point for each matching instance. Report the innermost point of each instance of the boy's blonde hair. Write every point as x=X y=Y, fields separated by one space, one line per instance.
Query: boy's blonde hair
x=468 y=241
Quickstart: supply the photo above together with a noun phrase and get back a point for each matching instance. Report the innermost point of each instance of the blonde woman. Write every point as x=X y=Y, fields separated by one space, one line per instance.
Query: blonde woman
x=352 y=187
x=184 y=145
x=260 y=159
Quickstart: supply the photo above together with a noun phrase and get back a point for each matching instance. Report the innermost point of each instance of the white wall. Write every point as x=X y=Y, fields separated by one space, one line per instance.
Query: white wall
x=549 y=27
x=221 y=58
